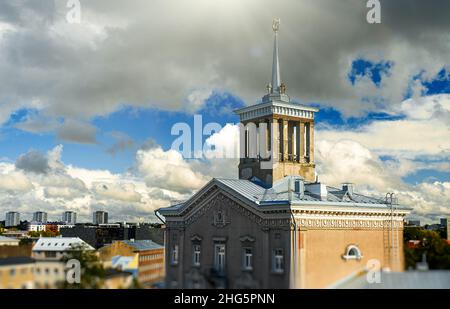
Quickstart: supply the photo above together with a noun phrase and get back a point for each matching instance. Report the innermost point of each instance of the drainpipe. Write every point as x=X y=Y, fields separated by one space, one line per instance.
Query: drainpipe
x=294 y=237
x=295 y=250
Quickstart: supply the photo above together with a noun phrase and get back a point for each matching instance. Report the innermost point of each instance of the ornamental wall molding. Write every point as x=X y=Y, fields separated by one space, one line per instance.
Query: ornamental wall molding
x=219 y=200
x=349 y=216
x=369 y=213
x=311 y=223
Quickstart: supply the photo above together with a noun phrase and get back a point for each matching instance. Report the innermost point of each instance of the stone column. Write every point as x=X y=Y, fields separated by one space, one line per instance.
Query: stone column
x=297 y=141
x=257 y=140
x=285 y=139
x=291 y=141
x=311 y=142
x=265 y=140
x=307 y=142
x=302 y=142
x=275 y=139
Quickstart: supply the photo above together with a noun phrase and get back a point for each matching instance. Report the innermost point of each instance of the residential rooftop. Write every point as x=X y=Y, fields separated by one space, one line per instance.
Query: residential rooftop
x=60 y=244
x=287 y=192
x=143 y=245
x=16 y=260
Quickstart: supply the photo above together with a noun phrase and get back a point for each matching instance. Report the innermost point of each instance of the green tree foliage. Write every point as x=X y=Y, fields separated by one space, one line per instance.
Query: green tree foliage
x=92 y=271
x=437 y=250
x=43 y=234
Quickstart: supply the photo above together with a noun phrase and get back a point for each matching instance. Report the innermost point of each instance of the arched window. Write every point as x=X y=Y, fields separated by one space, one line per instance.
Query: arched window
x=352 y=253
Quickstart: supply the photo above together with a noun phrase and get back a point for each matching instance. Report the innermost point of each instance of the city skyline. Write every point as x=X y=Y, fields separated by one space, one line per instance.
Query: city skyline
x=104 y=140
x=240 y=147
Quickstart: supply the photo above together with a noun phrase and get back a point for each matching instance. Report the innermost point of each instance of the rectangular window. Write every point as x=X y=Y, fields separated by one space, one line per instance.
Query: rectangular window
x=196 y=255
x=219 y=257
x=50 y=254
x=278 y=260
x=174 y=255
x=247 y=259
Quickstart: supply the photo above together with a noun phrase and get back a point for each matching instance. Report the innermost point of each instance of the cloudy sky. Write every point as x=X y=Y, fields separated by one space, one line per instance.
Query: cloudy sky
x=86 y=109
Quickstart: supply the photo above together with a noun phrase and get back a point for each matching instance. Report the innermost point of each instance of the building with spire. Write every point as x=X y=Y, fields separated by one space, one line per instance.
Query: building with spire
x=277 y=226
x=285 y=128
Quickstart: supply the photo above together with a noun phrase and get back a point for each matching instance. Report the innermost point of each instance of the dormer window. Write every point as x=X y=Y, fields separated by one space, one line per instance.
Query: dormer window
x=352 y=253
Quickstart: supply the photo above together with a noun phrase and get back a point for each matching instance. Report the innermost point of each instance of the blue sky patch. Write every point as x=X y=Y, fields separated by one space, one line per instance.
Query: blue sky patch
x=366 y=68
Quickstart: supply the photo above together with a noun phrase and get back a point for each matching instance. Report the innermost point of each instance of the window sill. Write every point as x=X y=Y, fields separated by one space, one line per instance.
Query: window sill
x=352 y=257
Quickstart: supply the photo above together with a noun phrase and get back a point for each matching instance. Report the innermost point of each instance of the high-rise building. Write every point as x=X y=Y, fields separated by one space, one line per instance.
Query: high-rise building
x=448 y=229
x=40 y=217
x=69 y=217
x=414 y=223
x=445 y=223
x=100 y=217
x=100 y=235
x=12 y=219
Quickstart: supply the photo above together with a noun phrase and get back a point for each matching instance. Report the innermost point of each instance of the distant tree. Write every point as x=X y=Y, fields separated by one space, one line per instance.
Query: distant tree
x=44 y=233
x=135 y=285
x=34 y=234
x=437 y=250
x=25 y=242
x=50 y=233
x=412 y=233
x=443 y=232
x=92 y=271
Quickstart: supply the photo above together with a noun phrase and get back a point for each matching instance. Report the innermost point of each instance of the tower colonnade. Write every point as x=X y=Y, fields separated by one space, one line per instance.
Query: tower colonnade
x=291 y=143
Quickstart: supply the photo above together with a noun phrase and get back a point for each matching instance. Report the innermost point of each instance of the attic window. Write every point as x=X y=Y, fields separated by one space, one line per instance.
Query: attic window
x=352 y=253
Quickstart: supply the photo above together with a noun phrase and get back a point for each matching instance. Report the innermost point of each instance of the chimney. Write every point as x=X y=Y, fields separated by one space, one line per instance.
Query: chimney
x=319 y=189
x=299 y=187
x=348 y=187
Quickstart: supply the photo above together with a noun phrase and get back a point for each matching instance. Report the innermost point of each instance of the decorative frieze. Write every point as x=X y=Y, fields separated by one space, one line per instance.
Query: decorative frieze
x=223 y=204
x=328 y=223
x=262 y=111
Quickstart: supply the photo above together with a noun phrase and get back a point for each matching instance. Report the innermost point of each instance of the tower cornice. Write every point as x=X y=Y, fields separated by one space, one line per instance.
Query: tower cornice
x=276 y=108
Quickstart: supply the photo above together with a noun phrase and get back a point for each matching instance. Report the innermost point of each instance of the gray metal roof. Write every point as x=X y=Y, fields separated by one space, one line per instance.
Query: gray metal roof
x=433 y=279
x=8 y=239
x=245 y=188
x=143 y=245
x=16 y=260
x=279 y=193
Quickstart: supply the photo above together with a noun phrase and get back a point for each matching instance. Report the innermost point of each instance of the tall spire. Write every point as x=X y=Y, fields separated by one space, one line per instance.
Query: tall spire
x=276 y=80
x=276 y=90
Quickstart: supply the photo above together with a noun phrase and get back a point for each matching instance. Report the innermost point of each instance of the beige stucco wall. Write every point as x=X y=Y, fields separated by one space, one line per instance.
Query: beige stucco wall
x=324 y=264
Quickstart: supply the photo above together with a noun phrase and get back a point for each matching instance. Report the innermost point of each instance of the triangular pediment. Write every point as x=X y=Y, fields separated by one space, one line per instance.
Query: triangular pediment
x=222 y=200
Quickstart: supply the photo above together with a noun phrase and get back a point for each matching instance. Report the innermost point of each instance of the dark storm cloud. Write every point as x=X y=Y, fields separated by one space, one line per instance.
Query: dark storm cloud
x=155 y=53
x=33 y=161
x=77 y=132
